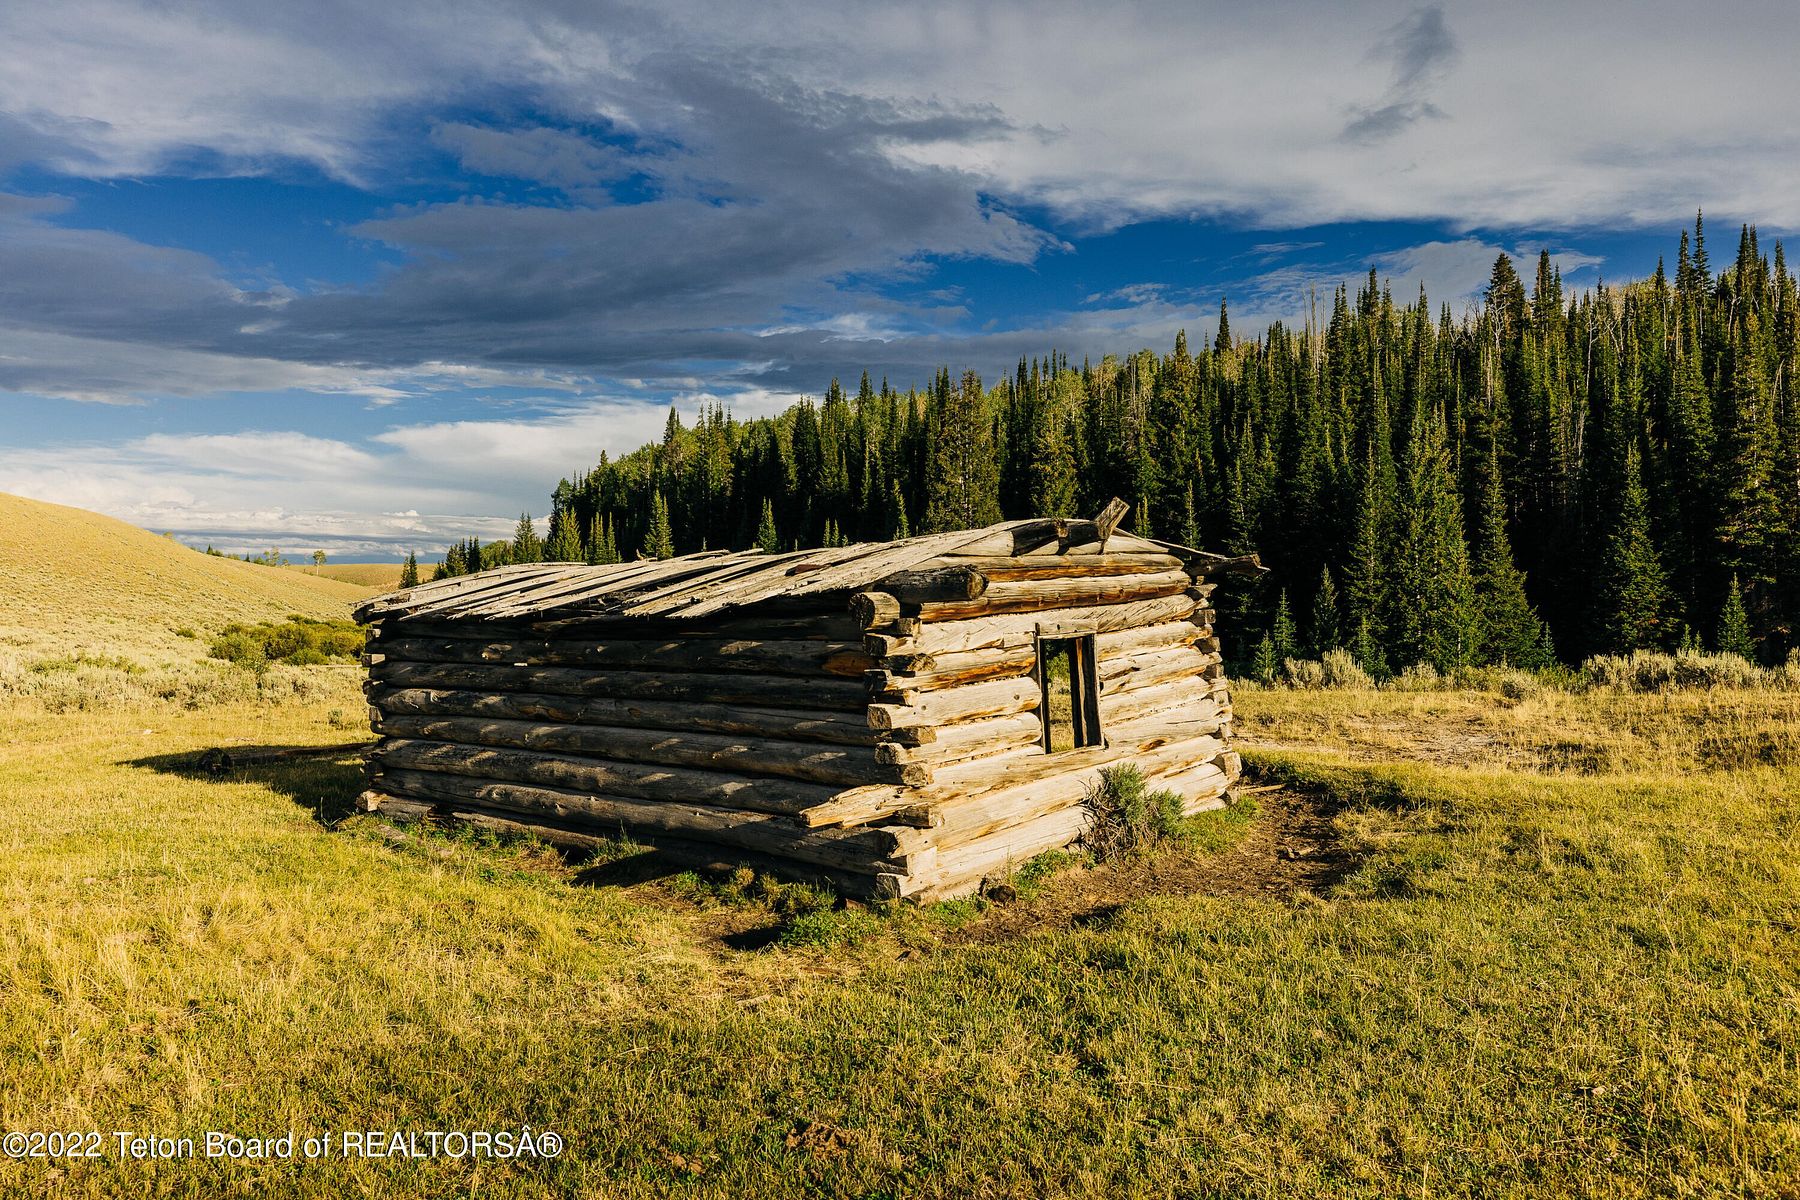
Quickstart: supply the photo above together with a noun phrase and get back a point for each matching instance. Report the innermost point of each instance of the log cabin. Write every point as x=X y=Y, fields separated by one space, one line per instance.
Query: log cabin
x=907 y=719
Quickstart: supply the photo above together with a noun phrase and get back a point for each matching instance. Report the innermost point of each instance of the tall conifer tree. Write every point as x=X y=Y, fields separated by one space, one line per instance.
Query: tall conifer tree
x=1631 y=600
x=1431 y=606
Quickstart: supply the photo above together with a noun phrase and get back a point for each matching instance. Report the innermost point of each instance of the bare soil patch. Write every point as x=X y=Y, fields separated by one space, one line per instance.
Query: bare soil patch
x=1293 y=847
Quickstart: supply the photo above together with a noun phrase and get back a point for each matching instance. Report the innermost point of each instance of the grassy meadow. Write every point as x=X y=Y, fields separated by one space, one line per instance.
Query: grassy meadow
x=1495 y=939
x=1555 y=954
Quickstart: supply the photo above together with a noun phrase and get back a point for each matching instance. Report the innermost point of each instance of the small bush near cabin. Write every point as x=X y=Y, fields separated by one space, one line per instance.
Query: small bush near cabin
x=1126 y=818
x=298 y=641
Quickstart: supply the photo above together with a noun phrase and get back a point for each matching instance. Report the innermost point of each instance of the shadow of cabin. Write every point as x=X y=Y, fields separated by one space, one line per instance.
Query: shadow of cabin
x=324 y=780
x=896 y=720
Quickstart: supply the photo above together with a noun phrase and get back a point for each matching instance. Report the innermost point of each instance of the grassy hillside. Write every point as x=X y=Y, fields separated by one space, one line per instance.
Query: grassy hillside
x=376 y=577
x=1455 y=978
x=77 y=582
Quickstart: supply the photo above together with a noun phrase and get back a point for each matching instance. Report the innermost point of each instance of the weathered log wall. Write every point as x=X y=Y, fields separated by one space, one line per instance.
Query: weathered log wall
x=890 y=743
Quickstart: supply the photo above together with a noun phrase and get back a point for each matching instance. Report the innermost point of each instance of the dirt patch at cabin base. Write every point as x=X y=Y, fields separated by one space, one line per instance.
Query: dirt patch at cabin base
x=1292 y=847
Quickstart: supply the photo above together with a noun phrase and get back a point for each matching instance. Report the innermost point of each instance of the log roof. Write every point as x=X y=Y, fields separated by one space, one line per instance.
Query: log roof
x=705 y=584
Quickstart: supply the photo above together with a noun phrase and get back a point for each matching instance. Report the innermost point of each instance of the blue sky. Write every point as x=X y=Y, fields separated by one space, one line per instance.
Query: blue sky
x=371 y=279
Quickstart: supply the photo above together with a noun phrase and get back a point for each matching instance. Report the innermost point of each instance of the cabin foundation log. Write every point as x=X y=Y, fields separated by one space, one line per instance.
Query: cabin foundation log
x=862 y=850
x=671 y=785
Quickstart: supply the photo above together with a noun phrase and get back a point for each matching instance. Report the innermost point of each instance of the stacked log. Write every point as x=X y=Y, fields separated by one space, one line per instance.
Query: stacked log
x=888 y=741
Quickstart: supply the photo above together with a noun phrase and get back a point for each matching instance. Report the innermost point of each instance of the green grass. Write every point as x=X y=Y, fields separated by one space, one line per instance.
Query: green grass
x=1580 y=979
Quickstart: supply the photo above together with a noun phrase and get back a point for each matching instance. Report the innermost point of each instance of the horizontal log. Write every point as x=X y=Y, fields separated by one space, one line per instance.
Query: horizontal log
x=676 y=785
x=870 y=807
x=1156 y=668
x=808 y=624
x=957 y=704
x=976 y=666
x=850 y=766
x=871 y=610
x=1020 y=629
x=1039 y=594
x=934 y=584
x=960 y=870
x=1152 y=744
x=803 y=658
x=864 y=851
x=1186 y=697
x=835 y=728
x=837 y=695
x=972 y=817
x=1066 y=566
x=971 y=739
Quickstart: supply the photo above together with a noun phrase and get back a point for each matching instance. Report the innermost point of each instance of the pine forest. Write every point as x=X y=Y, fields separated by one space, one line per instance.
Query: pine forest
x=1542 y=478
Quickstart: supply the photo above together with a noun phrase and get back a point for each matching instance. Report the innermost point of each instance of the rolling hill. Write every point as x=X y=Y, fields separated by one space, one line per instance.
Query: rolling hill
x=79 y=581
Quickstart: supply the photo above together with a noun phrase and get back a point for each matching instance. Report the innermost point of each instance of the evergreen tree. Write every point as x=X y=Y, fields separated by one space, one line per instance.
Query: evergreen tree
x=902 y=528
x=454 y=562
x=1282 y=633
x=1509 y=631
x=1367 y=650
x=1734 y=625
x=767 y=536
x=1632 y=597
x=527 y=547
x=962 y=489
x=564 y=545
x=1326 y=629
x=660 y=542
x=1265 y=663
x=409 y=573
x=1365 y=574
x=606 y=546
x=1432 y=604
x=1190 y=523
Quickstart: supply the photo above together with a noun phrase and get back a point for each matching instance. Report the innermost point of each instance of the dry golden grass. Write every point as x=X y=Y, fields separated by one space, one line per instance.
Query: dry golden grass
x=376 y=577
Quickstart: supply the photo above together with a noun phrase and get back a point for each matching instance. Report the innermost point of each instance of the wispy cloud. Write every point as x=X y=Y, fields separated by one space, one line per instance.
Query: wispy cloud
x=1420 y=50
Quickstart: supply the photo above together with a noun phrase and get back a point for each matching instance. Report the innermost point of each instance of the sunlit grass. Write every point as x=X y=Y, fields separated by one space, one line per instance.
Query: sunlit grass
x=1578 y=978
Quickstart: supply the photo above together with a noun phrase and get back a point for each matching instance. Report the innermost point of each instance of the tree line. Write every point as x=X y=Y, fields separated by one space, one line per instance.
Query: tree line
x=1544 y=477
